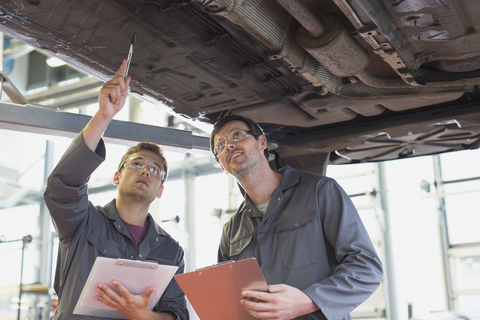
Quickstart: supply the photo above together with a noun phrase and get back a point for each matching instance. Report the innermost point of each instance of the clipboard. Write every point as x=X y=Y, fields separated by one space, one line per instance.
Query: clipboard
x=215 y=292
x=135 y=275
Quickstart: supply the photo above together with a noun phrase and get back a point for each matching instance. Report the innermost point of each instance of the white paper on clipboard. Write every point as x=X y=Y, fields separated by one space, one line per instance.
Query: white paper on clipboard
x=135 y=275
x=215 y=291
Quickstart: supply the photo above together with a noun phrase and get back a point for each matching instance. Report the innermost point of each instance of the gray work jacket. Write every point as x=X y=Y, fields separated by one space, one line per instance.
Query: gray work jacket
x=311 y=238
x=86 y=231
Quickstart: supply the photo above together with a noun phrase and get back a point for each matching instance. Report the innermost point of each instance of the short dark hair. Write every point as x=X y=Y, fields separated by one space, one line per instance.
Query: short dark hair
x=253 y=127
x=149 y=146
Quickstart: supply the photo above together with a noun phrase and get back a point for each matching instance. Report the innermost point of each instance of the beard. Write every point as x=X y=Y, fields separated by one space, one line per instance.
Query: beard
x=135 y=195
x=248 y=170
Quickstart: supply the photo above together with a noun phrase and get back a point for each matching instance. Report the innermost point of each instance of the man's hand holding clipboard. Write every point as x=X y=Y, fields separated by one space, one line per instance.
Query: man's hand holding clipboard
x=123 y=288
x=215 y=292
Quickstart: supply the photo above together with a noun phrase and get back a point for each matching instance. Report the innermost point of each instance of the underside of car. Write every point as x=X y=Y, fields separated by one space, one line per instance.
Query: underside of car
x=330 y=81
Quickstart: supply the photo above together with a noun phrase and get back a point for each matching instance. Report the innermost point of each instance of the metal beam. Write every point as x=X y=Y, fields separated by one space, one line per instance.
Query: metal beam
x=81 y=93
x=389 y=278
x=44 y=245
x=44 y=120
x=443 y=231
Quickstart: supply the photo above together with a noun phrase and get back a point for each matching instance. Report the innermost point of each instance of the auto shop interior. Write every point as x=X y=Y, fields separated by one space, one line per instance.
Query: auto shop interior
x=421 y=213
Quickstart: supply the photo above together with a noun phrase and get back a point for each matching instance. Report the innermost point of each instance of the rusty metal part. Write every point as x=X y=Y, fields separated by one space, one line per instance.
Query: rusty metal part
x=272 y=25
x=335 y=49
x=384 y=50
x=303 y=16
x=388 y=54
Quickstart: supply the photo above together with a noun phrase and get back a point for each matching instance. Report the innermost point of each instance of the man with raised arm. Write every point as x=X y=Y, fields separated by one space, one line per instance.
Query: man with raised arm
x=121 y=229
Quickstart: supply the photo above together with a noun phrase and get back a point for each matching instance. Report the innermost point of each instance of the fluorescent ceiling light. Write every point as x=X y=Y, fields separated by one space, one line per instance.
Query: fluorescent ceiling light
x=54 y=62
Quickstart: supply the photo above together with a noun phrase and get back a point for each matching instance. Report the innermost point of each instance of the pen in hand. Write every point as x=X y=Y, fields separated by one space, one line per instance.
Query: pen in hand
x=130 y=54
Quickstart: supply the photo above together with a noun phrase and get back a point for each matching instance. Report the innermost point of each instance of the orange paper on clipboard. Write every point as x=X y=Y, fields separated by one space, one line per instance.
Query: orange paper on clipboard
x=215 y=291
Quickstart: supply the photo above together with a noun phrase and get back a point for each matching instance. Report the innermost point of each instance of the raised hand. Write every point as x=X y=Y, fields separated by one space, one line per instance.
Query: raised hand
x=111 y=100
x=113 y=94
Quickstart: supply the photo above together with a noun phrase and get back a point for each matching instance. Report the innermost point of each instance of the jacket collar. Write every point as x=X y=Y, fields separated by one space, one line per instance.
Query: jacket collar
x=290 y=177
